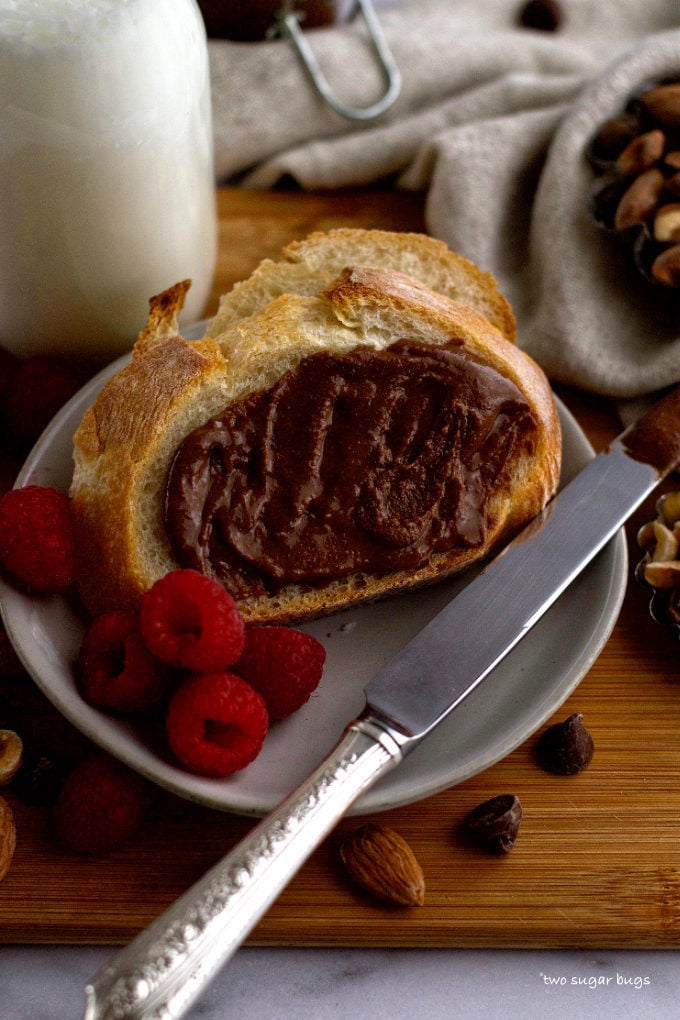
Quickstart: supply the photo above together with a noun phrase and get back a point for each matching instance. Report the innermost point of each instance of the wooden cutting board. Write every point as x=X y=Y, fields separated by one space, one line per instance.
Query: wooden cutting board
x=597 y=861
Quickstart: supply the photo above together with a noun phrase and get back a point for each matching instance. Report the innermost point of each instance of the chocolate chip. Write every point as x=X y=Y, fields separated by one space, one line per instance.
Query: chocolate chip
x=544 y=15
x=495 y=823
x=565 y=748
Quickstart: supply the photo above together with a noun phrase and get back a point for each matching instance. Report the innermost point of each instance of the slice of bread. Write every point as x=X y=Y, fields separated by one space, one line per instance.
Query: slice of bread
x=309 y=266
x=126 y=443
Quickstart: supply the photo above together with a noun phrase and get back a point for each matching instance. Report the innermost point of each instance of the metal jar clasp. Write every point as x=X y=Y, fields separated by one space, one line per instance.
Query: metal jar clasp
x=287 y=24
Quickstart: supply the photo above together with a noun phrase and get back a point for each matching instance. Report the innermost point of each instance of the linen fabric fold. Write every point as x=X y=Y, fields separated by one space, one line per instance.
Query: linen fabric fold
x=492 y=123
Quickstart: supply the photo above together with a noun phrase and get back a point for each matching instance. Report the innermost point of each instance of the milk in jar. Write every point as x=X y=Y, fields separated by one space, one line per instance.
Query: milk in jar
x=106 y=170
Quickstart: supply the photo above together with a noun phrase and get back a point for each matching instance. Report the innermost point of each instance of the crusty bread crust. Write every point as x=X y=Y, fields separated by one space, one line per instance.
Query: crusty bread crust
x=308 y=267
x=124 y=447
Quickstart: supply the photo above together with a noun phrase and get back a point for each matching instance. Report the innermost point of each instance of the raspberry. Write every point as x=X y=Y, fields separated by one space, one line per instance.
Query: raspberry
x=36 y=539
x=116 y=669
x=284 y=665
x=39 y=387
x=101 y=803
x=189 y=620
x=216 y=724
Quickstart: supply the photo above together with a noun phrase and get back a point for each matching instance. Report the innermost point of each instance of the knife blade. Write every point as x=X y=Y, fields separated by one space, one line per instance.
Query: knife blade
x=167 y=967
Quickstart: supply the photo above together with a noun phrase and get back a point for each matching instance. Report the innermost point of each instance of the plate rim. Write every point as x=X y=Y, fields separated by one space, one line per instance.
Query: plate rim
x=377 y=798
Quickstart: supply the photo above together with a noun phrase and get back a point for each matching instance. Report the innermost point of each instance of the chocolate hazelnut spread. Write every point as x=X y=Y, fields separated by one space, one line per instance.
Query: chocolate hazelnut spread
x=368 y=462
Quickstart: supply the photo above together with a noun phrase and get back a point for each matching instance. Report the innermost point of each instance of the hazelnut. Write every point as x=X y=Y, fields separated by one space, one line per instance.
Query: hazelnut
x=641 y=153
x=672 y=159
x=668 y=508
x=611 y=138
x=640 y=199
x=663 y=103
x=665 y=542
x=666 y=267
x=637 y=191
x=667 y=222
x=662 y=573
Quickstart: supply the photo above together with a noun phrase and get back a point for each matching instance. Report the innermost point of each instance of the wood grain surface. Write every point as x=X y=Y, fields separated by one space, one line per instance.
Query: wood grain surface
x=597 y=860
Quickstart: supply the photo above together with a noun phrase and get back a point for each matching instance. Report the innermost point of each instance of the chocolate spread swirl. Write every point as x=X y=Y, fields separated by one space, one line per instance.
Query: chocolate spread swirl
x=368 y=462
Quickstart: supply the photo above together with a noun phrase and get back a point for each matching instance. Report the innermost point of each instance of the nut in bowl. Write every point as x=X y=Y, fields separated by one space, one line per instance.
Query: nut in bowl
x=659 y=569
x=635 y=195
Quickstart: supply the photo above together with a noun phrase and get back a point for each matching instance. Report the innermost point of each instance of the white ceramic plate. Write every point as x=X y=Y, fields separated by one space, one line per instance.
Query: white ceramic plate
x=511 y=704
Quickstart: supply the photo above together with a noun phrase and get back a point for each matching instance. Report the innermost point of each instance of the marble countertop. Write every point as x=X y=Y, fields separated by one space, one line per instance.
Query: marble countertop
x=45 y=983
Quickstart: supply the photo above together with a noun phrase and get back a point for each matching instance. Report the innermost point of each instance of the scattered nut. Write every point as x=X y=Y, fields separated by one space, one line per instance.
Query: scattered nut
x=565 y=748
x=495 y=823
x=380 y=861
x=11 y=755
x=663 y=102
x=8 y=837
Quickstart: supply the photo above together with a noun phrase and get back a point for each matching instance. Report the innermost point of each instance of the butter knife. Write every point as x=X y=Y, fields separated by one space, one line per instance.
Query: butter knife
x=167 y=967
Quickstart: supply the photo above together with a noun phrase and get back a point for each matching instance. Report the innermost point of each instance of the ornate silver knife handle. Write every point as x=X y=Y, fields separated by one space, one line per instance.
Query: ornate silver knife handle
x=164 y=970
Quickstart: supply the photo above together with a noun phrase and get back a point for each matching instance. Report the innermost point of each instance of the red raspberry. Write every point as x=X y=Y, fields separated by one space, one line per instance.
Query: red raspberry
x=189 y=620
x=39 y=387
x=117 y=671
x=216 y=724
x=36 y=539
x=284 y=665
x=101 y=803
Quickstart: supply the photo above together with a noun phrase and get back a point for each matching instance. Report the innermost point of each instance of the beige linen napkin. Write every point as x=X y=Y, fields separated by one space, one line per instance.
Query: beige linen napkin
x=492 y=121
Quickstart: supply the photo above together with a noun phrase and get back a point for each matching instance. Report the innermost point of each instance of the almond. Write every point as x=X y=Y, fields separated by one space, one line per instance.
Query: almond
x=380 y=861
x=8 y=837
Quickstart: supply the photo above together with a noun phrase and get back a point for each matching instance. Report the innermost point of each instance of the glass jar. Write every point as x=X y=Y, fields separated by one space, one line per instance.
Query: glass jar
x=106 y=163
